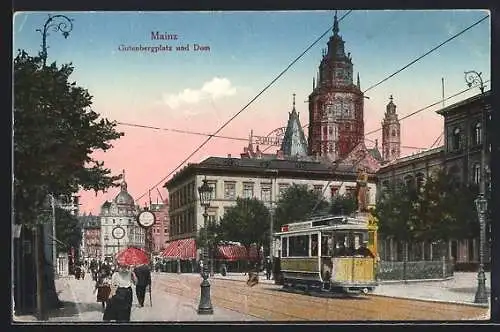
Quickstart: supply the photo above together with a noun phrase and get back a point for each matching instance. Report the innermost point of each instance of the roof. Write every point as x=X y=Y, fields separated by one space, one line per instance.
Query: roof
x=375 y=153
x=453 y=107
x=294 y=141
x=291 y=167
x=427 y=153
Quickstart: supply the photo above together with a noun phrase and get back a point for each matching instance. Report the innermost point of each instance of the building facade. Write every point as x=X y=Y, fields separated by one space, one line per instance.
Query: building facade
x=465 y=138
x=336 y=123
x=91 y=227
x=233 y=178
x=120 y=214
x=160 y=229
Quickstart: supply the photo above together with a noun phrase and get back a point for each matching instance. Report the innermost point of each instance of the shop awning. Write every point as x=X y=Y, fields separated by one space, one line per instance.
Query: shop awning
x=232 y=252
x=180 y=249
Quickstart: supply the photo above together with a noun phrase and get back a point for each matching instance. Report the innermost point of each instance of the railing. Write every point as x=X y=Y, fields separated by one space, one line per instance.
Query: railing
x=414 y=270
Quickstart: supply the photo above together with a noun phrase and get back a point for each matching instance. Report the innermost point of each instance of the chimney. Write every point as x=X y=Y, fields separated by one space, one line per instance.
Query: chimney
x=229 y=155
x=279 y=154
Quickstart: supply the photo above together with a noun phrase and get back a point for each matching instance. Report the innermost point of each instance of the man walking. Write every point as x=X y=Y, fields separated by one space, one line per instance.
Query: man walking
x=143 y=280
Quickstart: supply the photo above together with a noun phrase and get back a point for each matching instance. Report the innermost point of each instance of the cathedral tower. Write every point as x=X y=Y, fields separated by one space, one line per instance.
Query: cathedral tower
x=391 y=133
x=336 y=104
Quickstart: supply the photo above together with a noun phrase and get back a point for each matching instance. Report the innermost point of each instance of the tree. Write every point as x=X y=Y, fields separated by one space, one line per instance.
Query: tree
x=247 y=222
x=297 y=203
x=55 y=133
x=343 y=205
x=68 y=228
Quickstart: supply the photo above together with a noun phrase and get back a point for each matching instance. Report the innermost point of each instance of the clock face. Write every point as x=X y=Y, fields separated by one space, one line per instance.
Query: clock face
x=118 y=232
x=146 y=219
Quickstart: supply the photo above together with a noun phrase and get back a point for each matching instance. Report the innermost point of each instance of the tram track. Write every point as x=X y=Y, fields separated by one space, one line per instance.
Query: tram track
x=271 y=303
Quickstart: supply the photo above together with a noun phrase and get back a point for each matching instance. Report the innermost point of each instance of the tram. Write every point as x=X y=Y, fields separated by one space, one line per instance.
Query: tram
x=331 y=253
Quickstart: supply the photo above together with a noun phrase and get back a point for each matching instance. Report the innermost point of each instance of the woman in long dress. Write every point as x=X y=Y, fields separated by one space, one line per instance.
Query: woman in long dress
x=120 y=304
x=103 y=288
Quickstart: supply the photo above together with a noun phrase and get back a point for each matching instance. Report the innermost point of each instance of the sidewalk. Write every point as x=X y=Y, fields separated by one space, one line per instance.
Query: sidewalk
x=80 y=306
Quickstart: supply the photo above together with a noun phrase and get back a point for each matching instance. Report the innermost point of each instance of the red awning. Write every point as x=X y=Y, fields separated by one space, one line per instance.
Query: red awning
x=232 y=252
x=180 y=249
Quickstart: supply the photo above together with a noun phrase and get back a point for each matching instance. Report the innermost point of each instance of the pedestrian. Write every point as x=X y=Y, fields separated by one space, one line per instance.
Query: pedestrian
x=103 y=288
x=120 y=304
x=142 y=281
x=268 y=268
x=253 y=276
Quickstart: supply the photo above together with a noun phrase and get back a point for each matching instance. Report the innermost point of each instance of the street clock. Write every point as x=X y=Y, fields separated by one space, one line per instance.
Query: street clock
x=118 y=232
x=146 y=219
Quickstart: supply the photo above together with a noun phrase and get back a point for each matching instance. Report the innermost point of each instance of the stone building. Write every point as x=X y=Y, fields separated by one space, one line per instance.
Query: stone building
x=160 y=229
x=464 y=140
x=91 y=228
x=336 y=123
x=120 y=214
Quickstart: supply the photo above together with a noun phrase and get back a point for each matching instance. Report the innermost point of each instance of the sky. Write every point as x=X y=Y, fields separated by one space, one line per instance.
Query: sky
x=238 y=55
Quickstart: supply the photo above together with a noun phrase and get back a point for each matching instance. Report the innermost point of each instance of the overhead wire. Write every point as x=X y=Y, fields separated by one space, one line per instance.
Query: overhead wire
x=244 y=108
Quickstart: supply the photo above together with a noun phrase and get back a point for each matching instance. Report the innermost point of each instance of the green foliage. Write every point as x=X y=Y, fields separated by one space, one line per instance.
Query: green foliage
x=343 y=205
x=247 y=222
x=209 y=236
x=297 y=203
x=442 y=209
x=55 y=133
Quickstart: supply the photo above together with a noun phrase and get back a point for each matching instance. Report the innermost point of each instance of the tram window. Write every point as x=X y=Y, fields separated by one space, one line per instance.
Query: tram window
x=324 y=245
x=284 y=247
x=341 y=245
x=298 y=245
x=314 y=245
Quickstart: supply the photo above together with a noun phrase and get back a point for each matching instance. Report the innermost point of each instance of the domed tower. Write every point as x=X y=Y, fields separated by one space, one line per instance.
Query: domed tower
x=123 y=197
x=336 y=104
x=391 y=133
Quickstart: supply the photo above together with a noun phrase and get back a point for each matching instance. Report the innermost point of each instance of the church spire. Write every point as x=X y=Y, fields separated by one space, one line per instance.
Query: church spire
x=335 y=25
x=293 y=104
x=294 y=142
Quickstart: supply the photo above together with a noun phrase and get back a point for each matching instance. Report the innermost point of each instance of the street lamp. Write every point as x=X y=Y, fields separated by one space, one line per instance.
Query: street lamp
x=481 y=207
x=205 y=306
x=473 y=78
x=65 y=25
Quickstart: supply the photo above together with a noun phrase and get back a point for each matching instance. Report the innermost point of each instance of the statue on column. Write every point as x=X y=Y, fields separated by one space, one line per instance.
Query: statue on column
x=362 y=189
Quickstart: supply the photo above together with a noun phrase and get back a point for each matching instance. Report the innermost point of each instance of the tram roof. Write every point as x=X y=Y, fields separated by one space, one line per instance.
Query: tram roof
x=324 y=223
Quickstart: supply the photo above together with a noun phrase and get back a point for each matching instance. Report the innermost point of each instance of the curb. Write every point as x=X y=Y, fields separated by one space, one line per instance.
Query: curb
x=434 y=300
x=412 y=281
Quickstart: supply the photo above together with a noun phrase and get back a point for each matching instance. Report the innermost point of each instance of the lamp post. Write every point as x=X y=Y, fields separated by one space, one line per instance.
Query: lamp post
x=58 y=23
x=205 y=306
x=473 y=78
x=481 y=206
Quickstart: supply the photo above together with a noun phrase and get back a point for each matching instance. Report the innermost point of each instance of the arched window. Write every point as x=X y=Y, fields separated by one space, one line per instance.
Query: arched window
x=476 y=173
x=456 y=138
x=393 y=132
x=408 y=179
x=478 y=134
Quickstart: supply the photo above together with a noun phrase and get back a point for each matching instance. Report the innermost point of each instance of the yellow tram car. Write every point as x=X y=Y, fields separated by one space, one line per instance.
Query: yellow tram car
x=332 y=253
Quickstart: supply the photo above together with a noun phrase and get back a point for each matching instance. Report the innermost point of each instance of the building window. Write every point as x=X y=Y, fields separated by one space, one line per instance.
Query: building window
x=211 y=219
x=318 y=189
x=229 y=190
x=265 y=192
x=420 y=180
x=213 y=185
x=393 y=133
x=456 y=139
x=478 y=134
x=334 y=190
x=476 y=173
x=282 y=188
x=247 y=190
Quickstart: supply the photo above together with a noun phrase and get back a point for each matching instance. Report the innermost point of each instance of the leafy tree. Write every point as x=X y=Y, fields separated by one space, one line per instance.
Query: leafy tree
x=296 y=203
x=247 y=222
x=55 y=133
x=343 y=204
x=209 y=236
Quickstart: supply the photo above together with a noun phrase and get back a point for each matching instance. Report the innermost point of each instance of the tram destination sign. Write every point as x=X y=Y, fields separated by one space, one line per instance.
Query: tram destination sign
x=299 y=226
